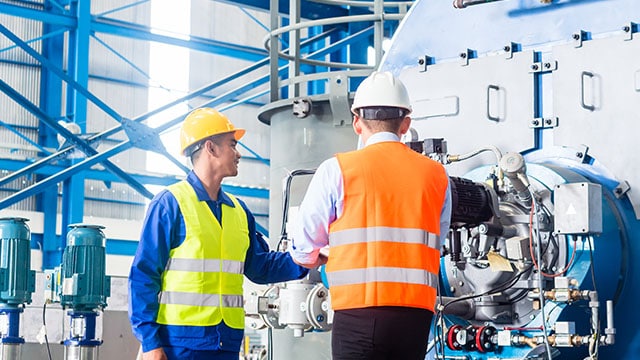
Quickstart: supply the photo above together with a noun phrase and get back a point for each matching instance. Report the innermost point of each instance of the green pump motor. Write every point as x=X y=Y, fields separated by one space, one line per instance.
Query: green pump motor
x=17 y=283
x=80 y=285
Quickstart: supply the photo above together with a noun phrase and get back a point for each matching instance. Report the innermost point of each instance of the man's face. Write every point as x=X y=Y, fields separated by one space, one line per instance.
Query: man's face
x=228 y=156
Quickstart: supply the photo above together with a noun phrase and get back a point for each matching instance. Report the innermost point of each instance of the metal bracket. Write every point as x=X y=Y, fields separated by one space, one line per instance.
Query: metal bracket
x=581 y=154
x=465 y=56
x=628 y=30
x=339 y=100
x=579 y=37
x=547 y=66
x=302 y=107
x=142 y=136
x=510 y=48
x=543 y=123
x=425 y=61
x=622 y=188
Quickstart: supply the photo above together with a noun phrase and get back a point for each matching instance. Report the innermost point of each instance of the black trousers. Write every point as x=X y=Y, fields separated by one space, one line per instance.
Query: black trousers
x=380 y=333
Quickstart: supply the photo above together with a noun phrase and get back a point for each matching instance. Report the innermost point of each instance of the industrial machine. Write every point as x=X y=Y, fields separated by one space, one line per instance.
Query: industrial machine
x=80 y=286
x=532 y=107
x=17 y=283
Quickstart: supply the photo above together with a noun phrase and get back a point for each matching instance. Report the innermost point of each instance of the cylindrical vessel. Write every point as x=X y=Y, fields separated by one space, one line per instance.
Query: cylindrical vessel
x=81 y=353
x=10 y=351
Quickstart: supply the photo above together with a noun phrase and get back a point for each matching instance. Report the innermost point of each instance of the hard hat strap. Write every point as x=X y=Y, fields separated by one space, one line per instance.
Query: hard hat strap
x=382 y=113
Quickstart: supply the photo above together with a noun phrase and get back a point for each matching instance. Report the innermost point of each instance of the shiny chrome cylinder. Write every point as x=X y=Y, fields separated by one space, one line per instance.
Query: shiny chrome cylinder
x=81 y=353
x=10 y=351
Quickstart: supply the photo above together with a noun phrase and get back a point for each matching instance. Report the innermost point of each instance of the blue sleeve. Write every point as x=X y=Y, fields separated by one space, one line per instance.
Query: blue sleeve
x=263 y=266
x=148 y=265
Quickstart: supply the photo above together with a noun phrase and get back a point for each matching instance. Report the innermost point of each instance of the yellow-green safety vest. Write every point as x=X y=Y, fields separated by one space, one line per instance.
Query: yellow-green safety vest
x=202 y=281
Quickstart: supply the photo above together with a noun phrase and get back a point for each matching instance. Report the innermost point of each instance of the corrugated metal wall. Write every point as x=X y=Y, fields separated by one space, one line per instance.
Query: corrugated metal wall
x=18 y=71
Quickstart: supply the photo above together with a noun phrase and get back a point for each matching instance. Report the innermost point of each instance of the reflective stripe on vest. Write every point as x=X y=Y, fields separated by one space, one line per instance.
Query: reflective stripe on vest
x=382 y=274
x=385 y=233
x=205 y=265
x=385 y=246
x=193 y=299
x=203 y=278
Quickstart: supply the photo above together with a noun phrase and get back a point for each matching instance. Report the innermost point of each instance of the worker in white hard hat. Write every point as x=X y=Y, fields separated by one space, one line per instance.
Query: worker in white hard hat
x=197 y=244
x=383 y=211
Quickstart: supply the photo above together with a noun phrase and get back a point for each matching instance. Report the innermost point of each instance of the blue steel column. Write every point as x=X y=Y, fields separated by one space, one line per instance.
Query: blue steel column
x=357 y=51
x=317 y=87
x=51 y=104
x=73 y=188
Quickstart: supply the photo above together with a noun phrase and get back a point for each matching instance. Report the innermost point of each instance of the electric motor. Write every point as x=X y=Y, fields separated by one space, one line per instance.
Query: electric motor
x=17 y=280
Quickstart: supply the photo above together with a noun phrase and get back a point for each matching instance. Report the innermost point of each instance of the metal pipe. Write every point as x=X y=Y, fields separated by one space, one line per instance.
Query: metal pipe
x=461 y=4
x=610 y=331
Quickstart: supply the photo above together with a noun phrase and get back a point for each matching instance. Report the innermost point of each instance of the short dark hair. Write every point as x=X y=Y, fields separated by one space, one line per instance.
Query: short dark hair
x=194 y=150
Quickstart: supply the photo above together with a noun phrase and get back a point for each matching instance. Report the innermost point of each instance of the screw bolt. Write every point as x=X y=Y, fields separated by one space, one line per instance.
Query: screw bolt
x=534 y=67
x=579 y=155
x=463 y=55
x=576 y=36
x=626 y=28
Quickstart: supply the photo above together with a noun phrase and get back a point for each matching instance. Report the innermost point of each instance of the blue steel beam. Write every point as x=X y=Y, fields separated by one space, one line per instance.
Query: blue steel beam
x=63 y=175
x=81 y=144
x=50 y=103
x=38 y=15
x=137 y=31
x=87 y=163
x=18 y=133
x=51 y=67
x=91 y=174
x=309 y=9
x=105 y=134
x=72 y=205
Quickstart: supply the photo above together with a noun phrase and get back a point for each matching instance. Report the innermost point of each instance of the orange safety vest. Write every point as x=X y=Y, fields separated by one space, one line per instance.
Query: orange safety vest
x=385 y=246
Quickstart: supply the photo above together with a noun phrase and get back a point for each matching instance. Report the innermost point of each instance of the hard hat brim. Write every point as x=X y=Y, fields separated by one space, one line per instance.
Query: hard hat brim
x=239 y=133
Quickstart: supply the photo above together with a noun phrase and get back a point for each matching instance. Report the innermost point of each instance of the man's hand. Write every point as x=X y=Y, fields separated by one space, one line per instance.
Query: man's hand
x=323 y=257
x=155 y=354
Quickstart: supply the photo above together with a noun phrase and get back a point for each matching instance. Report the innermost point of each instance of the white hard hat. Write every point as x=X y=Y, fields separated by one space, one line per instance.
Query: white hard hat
x=381 y=89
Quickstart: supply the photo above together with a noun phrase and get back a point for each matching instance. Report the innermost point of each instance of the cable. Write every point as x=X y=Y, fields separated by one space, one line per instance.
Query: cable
x=540 y=289
x=535 y=263
x=269 y=343
x=593 y=353
x=44 y=325
x=286 y=190
x=495 y=150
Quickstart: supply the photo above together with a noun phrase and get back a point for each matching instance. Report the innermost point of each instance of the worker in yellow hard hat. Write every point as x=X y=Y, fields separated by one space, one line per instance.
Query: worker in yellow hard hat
x=197 y=243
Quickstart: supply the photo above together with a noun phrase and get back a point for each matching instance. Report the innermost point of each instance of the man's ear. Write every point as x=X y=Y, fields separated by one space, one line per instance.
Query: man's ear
x=357 y=125
x=211 y=148
x=405 y=125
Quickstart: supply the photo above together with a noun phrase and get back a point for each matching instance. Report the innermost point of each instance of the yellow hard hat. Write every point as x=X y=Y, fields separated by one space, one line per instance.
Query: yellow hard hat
x=202 y=123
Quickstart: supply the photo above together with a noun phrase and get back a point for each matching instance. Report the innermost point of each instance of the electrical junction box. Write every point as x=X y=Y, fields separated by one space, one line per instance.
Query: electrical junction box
x=578 y=208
